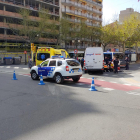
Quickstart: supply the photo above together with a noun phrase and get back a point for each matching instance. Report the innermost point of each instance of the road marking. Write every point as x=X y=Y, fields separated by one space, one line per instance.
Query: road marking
x=82 y=77
x=89 y=78
x=16 y=67
x=1 y=66
x=133 y=93
x=113 y=82
x=101 y=80
x=127 y=84
x=110 y=89
x=8 y=67
x=25 y=68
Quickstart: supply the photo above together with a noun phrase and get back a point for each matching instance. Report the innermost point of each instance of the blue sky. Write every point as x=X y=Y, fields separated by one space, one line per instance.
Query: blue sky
x=111 y=8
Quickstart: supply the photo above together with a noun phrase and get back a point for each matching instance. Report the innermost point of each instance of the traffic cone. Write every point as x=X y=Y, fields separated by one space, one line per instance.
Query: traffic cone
x=41 y=81
x=14 y=76
x=92 y=85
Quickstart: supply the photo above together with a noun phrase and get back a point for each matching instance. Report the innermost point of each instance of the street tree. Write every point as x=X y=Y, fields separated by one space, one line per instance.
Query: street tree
x=32 y=29
x=65 y=30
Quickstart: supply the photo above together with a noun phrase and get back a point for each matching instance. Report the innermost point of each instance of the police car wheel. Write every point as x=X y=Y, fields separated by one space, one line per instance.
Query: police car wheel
x=58 y=78
x=76 y=79
x=34 y=75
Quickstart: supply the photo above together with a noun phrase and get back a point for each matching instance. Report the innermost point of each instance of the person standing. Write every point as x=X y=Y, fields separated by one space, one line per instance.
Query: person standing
x=30 y=63
x=82 y=62
x=116 y=65
x=107 y=63
x=127 y=63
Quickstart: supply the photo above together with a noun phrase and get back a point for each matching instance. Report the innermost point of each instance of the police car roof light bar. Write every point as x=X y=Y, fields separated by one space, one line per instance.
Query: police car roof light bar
x=57 y=57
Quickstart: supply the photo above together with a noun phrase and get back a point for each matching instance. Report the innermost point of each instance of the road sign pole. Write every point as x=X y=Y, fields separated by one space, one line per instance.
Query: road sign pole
x=25 y=59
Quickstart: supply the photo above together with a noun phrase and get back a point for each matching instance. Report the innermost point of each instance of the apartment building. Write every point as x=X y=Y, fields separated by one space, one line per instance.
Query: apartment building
x=89 y=11
x=126 y=13
x=9 y=10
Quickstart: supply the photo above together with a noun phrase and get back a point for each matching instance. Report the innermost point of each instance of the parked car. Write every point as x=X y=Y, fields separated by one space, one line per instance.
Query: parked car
x=58 y=68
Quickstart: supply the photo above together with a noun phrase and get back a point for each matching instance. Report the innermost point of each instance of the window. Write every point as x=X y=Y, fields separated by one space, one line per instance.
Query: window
x=73 y=63
x=59 y=63
x=45 y=64
x=52 y=63
x=43 y=56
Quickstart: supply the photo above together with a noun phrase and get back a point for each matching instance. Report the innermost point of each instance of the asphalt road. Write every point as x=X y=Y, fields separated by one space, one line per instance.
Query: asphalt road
x=69 y=111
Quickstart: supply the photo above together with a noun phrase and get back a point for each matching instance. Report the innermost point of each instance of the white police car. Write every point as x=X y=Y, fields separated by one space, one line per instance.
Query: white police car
x=58 y=68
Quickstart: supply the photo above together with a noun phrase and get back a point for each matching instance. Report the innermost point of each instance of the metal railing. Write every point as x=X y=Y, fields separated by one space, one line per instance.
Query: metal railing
x=81 y=14
x=70 y=2
x=81 y=6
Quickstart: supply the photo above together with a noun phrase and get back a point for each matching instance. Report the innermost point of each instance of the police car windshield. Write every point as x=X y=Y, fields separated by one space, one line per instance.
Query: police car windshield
x=43 y=56
x=73 y=62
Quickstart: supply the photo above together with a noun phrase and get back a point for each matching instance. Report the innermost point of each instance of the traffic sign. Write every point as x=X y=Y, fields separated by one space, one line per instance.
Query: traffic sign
x=25 y=52
x=75 y=51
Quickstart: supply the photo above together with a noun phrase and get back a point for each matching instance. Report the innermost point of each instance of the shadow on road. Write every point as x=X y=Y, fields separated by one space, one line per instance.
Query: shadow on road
x=26 y=107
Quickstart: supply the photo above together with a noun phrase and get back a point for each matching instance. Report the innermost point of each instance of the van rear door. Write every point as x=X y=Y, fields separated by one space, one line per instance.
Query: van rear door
x=89 y=57
x=98 y=61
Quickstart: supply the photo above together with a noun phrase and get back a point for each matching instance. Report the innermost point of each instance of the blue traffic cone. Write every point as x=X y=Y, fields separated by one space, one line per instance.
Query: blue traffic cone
x=92 y=85
x=14 y=76
x=41 y=81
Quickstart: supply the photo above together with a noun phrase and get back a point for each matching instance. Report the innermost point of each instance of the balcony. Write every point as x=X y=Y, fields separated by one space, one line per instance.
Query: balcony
x=75 y=4
x=95 y=3
x=15 y=38
x=31 y=7
x=89 y=1
x=49 y=2
x=74 y=20
x=91 y=24
x=93 y=18
x=78 y=47
x=74 y=13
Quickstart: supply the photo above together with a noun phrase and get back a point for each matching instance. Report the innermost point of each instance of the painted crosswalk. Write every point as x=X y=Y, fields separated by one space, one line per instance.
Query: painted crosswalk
x=11 y=67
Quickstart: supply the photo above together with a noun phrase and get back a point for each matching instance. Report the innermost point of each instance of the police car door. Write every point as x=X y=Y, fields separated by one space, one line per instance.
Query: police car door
x=43 y=69
x=51 y=68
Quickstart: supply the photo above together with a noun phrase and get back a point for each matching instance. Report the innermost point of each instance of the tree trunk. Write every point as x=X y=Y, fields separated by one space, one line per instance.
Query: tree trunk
x=124 y=47
x=136 y=48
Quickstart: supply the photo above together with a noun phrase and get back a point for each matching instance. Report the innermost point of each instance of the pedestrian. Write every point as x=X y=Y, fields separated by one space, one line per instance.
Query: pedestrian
x=127 y=63
x=30 y=63
x=107 y=63
x=82 y=63
x=116 y=65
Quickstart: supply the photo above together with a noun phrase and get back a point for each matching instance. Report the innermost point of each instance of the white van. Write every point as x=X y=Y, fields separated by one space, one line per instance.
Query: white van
x=93 y=60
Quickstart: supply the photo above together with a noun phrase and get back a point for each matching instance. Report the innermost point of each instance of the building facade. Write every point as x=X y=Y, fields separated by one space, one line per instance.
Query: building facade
x=9 y=11
x=126 y=13
x=89 y=11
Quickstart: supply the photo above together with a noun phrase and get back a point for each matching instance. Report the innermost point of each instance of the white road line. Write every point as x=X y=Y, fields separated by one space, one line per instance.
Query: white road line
x=89 y=78
x=82 y=77
x=133 y=93
x=16 y=67
x=25 y=68
x=110 y=89
x=101 y=80
x=113 y=82
x=8 y=67
x=127 y=84
x=1 y=66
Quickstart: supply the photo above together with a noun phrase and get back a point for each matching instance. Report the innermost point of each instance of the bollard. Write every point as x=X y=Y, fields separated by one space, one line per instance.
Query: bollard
x=14 y=76
x=92 y=85
x=41 y=81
